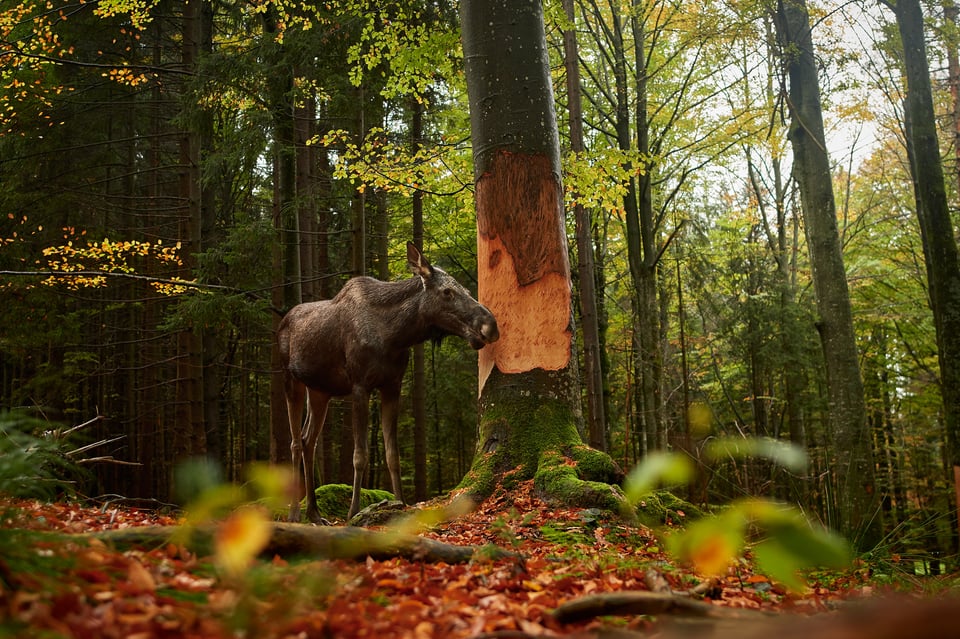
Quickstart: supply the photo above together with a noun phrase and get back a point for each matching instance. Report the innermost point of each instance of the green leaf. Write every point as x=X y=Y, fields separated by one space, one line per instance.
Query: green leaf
x=777 y=562
x=788 y=550
x=791 y=544
x=780 y=452
x=816 y=547
x=657 y=469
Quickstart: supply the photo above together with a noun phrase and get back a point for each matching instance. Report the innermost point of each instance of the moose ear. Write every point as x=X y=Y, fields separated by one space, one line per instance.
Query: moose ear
x=418 y=263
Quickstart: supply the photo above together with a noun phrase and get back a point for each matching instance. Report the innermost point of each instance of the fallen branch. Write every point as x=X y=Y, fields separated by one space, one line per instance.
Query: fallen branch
x=320 y=542
x=641 y=602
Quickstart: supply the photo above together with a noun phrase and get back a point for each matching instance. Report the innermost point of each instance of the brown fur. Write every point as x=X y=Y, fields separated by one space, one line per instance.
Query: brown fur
x=359 y=342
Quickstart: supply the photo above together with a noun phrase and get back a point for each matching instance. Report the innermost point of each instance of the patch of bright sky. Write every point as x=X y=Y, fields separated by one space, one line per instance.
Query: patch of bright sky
x=855 y=78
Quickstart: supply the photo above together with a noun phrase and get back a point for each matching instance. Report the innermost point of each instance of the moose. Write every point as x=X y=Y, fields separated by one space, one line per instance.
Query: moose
x=359 y=342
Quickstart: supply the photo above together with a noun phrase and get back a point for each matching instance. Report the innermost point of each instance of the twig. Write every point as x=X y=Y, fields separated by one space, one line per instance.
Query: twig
x=108 y=458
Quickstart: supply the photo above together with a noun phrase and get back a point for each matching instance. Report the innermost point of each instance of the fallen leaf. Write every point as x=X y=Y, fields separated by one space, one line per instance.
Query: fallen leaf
x=140 y=578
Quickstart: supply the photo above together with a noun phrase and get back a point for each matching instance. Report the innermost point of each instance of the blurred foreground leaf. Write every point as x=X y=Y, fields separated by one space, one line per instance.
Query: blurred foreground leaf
x=657 y=469
x=240 y=538
x=782 y=453
x=783 y=542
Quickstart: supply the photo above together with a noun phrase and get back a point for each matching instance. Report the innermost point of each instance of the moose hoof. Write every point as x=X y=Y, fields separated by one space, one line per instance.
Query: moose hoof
x=317 y=519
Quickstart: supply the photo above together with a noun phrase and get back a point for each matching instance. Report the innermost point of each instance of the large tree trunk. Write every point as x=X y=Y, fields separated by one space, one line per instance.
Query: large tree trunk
x=529 y=391
x=936 y=228
x=847 y=412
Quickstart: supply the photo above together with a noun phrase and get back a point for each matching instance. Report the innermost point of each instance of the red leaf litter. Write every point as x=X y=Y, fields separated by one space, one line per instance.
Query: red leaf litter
x=58 y=586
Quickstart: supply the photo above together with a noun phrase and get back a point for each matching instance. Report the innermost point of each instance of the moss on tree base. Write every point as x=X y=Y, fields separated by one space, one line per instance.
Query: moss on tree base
x=579 y=477
x=531 y=434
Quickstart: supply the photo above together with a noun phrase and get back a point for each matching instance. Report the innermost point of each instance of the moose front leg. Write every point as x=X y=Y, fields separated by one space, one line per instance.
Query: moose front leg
x=361 y=417
x=389 y=410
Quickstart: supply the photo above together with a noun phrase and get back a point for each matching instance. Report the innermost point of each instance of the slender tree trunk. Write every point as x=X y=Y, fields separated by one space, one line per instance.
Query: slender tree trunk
x=149 y=446
x=950 y=15
x=358 y=203
x=644 y=264
x=189 y=435
x=286 y=221
x=304 y=127
x=333 y=433
x=876 y=384
x=529 y=394
x=211 y=369
x=638 y=208
x=936 y=227
x=847 y=411
x=596 y=420
x=419 y=389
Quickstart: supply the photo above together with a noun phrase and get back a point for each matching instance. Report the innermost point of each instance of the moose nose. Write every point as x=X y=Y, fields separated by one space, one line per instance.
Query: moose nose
x=490 y=331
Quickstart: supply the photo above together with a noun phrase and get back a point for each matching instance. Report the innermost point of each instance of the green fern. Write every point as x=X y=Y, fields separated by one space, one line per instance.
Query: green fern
x=31 y=465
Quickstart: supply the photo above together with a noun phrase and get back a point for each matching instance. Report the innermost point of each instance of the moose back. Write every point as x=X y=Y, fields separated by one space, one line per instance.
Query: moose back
x=359 y=342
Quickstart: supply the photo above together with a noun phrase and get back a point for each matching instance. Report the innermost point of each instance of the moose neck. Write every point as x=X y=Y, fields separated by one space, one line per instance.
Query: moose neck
x=402 y=303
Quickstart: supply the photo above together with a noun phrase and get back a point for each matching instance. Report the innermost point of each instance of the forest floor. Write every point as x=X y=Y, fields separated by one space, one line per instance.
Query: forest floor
x=53 y=585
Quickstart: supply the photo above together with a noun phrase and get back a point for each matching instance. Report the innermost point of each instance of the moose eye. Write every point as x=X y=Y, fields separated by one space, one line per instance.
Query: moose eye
x=448 y=293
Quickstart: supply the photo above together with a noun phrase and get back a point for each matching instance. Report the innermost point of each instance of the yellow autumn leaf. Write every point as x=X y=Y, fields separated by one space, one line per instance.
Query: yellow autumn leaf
x=711 y=544
x=713 y=555
x=240 y=538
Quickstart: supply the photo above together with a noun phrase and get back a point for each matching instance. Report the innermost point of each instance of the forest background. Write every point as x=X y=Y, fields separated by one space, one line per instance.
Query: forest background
x=172 y=173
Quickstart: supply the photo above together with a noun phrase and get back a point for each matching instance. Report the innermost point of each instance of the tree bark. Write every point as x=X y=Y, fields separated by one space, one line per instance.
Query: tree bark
x=847 y=410
x=419 y=386
x=189 y=438
x=286 y=221
x=642 y=228
x=950 y=15
x=596 y=418
x=936 y=227
x=528 y=386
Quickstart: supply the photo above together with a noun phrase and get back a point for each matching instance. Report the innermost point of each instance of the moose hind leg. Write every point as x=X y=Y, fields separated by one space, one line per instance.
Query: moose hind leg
x=361 y=417
x=317 y=403
x=294 y=392
x=389 y=409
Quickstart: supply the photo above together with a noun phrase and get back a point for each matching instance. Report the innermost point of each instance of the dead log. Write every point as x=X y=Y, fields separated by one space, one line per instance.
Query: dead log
x=301 y=540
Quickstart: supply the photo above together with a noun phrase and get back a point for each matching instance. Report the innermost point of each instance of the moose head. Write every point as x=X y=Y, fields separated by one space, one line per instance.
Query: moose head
x=447 y=306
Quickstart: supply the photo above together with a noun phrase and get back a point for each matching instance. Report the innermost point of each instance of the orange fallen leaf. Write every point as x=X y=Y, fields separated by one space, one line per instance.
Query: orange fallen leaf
x=140 y=578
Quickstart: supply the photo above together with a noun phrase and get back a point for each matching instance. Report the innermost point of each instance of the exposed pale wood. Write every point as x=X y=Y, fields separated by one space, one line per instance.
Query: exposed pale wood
x=522 y=281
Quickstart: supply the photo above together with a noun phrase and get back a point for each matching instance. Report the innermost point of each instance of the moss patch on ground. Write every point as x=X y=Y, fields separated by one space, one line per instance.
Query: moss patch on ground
x=333 y=500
